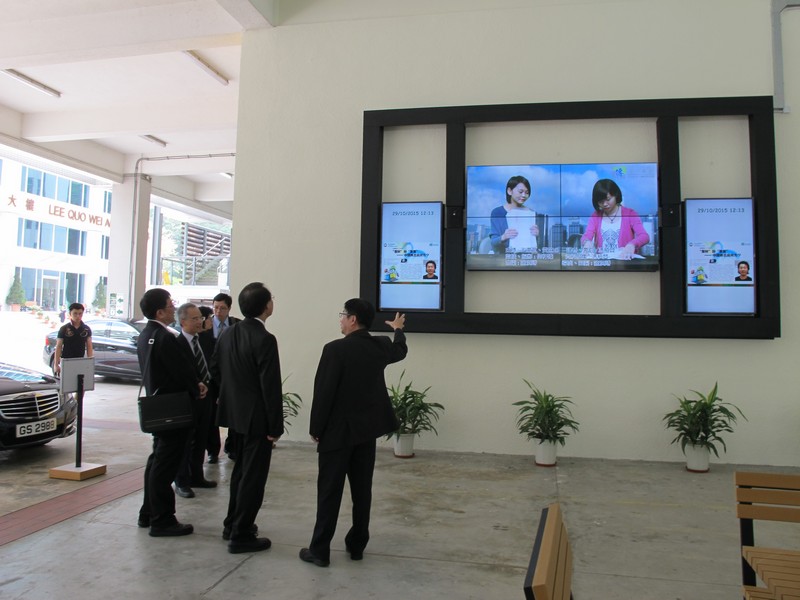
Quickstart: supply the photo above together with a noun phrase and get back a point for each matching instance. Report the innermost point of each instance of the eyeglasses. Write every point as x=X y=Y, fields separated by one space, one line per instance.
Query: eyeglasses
x=344 y=315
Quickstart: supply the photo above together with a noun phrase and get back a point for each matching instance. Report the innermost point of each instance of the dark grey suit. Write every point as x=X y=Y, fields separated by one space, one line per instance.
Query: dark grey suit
x=167 y=369
x=247 y=366
x=351 y=408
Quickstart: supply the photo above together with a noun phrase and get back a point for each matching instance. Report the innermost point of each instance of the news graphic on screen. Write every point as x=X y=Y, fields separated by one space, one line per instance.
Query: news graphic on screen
x=411 y=248
x=720 y=253
x=576 y=217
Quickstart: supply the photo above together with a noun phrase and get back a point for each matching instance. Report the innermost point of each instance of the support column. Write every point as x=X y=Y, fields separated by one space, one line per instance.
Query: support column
x=128 y=247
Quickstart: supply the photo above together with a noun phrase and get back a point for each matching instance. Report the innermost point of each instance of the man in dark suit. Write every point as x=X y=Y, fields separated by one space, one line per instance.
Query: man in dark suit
x=165 y=369
x=351 y=408
x=218 y=322
x=190 y=473
x=247 y=366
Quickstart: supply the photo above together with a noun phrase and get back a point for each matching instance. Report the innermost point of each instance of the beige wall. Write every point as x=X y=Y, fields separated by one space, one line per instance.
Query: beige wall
x=305 y=85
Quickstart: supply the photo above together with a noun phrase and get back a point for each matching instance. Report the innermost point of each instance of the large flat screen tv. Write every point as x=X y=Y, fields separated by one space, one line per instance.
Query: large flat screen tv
x=411 y=256
x=564 y=217
x=721 y=275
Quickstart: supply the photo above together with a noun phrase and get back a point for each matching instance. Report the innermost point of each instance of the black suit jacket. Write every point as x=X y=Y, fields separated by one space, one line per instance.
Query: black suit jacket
x=247 y=368
x=351 y=404
x=169 y=368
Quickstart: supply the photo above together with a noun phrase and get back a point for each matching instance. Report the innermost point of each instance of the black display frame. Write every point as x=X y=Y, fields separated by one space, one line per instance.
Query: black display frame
x=672 y=322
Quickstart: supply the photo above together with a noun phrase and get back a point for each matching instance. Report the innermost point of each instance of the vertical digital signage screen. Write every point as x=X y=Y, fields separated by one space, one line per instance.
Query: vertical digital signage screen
x=720 y=256
x=571 y=217
x=411 y=251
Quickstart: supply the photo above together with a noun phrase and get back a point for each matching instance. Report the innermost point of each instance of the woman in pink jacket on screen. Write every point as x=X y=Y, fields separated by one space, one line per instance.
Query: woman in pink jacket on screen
x=613 y=229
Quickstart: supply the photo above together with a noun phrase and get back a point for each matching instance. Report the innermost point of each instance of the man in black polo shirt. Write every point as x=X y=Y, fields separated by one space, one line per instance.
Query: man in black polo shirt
x=74 y=339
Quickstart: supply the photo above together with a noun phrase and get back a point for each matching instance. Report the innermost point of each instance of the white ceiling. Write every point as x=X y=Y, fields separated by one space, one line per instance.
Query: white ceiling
x=122 y=69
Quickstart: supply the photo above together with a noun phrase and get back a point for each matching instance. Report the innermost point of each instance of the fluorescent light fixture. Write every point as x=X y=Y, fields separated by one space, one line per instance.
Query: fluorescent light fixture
x=37 y=85
x=228 y=175
x=200 y=62
x=153 y=139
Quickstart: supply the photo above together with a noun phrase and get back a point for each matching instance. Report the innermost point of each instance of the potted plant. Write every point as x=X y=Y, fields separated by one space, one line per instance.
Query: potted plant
x=16 y=294
x=291 y=406
x=546 y=418
x=699 y=422
x=414 y=414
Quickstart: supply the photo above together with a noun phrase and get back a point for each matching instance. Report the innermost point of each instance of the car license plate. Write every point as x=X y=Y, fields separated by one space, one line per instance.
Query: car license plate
x=27 y=429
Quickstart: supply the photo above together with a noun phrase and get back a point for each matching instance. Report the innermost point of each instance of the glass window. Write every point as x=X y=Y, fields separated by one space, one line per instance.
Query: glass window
x=46 y=236
x=121 y=331
x=24 y=177
x=28 y=279
x=76 y=193
x=74 y=242
x=34 y=183
x=60 y=241
x=30 y=234
x=107 y=202
x=104 y=247
x=63 y=190
x=49 y=190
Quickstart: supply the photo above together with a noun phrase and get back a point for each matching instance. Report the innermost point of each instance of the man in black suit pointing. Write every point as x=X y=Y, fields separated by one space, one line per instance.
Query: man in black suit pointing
x=247 y=367
x=351 y=408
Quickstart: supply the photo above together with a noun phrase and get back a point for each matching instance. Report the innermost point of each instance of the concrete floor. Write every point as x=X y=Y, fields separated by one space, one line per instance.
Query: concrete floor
x=445 y=525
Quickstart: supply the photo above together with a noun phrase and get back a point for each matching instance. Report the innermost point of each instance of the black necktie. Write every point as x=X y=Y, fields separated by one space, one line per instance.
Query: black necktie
x=200 y=361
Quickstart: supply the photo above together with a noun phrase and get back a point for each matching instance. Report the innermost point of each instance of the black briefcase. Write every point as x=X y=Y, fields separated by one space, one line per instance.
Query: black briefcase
x=165 y=412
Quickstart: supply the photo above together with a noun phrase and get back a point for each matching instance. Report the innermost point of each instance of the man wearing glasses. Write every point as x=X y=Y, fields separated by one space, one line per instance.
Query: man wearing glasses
x=351 y=408
x=165 y=368
x=191 y=472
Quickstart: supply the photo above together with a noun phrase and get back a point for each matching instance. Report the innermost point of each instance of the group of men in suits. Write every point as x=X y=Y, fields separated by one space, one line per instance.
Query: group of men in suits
x=350 y=409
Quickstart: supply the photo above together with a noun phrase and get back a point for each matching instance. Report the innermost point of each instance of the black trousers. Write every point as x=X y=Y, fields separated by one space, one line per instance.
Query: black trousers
x=249 y=477
x=161 y=469
x=357 y=464
x=213 y=442
x=191 y=469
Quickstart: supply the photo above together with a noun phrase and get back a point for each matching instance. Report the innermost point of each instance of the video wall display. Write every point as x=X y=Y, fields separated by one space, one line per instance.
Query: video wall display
x=720 y=256
x=411 y=251
x=574 y=217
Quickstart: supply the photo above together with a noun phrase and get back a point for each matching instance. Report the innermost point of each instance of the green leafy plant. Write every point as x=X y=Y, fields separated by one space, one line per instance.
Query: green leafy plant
x=545 y=416
x=413 y=412
x=291 y=405
x=99 y=301
x=16 y=293
x=700 y=421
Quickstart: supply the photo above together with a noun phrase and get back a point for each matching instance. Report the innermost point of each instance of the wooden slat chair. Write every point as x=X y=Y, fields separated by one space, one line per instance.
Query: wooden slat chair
x=549 y=574
x=768 y=497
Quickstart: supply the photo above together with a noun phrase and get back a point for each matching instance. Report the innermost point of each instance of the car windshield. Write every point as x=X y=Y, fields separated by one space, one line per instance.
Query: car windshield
x=25 y=376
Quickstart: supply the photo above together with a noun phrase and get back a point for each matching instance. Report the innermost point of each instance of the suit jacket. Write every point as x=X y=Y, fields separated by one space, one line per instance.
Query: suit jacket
x=169 y=368
x=247 y=368
x=186 y=347
x=351 y=404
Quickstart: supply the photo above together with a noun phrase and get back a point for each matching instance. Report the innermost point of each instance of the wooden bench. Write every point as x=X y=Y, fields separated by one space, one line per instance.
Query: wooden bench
x=768 y=497
x=549 y=574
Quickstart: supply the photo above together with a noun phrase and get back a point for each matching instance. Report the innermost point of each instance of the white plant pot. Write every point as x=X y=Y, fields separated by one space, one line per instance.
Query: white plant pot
x=546 y=453
x=697 y=458
x=404 y=445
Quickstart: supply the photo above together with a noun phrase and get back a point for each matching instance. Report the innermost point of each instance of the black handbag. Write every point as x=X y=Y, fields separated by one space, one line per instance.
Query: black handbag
x=164 y=412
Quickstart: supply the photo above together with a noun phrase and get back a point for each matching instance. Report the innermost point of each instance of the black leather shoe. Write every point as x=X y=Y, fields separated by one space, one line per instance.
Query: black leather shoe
x=355 y=554
x=184 y=492
x=226 y=533
x=172 y=530
x=212 y=460
x=252 y=545
x=143 y=521
x=307 y=556
x=205 y=483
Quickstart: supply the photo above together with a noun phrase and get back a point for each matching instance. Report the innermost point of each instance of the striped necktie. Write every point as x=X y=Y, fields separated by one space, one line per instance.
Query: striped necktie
x=221 y=327
x=200 y=361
